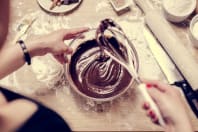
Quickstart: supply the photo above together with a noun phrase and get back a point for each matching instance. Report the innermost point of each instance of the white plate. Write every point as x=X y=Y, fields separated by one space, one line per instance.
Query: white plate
x=45 y=4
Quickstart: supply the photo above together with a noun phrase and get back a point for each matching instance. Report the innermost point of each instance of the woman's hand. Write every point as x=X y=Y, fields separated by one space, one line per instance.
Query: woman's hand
x=171 y=105
x=54 y=43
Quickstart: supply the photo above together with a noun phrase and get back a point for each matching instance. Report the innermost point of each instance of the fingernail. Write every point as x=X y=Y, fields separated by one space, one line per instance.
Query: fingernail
x=149 y=85
x=156 y=120
x=146 y=106
x=152 y=114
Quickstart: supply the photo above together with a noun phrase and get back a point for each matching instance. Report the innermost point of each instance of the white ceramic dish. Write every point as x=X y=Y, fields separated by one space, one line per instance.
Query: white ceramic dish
x=179 y=14
x=193 y=31
x=120 y=7
x=45 y=4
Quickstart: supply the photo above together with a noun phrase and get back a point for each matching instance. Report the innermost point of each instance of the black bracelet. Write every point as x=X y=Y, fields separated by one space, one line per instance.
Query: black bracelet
x=27 y=57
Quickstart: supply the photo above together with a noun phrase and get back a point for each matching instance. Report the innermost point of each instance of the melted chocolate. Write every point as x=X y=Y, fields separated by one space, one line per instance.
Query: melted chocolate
x=96 y=76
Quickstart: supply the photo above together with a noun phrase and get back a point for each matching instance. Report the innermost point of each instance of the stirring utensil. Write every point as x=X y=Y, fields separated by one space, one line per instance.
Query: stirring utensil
x=141 y=86
x=126 y=61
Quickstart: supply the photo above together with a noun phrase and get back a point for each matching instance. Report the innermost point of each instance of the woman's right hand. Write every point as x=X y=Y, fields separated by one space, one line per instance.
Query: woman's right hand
x=171 y=105
x=54 y=43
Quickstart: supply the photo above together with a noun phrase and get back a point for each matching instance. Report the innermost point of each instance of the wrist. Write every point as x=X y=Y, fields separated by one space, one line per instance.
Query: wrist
x=179 y=127
x=184 y=124
x=26 y=54
x=36 y=48
x=183 y=128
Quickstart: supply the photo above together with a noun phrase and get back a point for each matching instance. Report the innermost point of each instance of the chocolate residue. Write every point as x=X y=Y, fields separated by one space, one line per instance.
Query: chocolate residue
x=96 y=76
x=114 y=47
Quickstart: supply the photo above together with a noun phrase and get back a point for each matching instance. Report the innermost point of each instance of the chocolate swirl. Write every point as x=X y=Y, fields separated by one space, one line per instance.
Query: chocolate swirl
x=95 y=76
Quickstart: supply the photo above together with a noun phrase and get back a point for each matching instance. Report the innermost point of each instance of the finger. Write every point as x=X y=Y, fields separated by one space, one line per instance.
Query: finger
x=81 y=36
x=66 y=59
x=68 y=34
x=67 y=49
x=60 y=59
x=157 y=96
x=57 y=58
x=151 y=113
x=153 y=116
x=146 y=106
x=155 y=120
x=157 y=84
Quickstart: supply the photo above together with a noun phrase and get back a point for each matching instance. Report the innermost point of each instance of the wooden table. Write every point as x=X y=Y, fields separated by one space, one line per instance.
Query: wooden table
x=122 y=114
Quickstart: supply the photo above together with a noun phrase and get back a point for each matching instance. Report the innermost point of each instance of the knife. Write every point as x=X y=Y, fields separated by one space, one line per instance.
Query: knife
x=170 y=70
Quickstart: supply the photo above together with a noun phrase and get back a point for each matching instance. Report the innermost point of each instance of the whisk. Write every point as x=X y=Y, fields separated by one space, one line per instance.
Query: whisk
x=127 y=62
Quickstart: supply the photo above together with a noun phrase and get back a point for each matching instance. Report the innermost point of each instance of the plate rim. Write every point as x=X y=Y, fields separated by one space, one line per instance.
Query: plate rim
x=64 y=11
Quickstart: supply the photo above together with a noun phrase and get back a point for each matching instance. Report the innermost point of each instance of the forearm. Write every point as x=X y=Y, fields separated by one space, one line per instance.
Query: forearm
x=12 y=58
x=186 y=126
x=183 y=125
x=178 y=128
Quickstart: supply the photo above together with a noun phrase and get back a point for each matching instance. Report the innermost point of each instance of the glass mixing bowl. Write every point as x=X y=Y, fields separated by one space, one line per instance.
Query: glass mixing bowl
x=102 y=81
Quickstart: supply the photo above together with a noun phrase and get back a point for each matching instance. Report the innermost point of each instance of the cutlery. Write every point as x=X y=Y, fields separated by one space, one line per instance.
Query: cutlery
x=141 y=86
x=174 y=47
x=170 y=70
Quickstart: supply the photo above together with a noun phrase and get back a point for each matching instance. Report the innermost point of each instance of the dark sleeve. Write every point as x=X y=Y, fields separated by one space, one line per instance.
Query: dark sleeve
x=43 y=120
x=11 y=95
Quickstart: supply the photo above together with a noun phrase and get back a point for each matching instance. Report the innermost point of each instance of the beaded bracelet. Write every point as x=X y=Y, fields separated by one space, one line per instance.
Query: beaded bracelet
x=27 y=57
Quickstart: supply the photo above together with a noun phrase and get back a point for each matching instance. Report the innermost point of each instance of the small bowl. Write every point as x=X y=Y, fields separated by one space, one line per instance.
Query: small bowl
x=193 y=31
x=119 y=7
x=79 y=42
x=177 y=16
